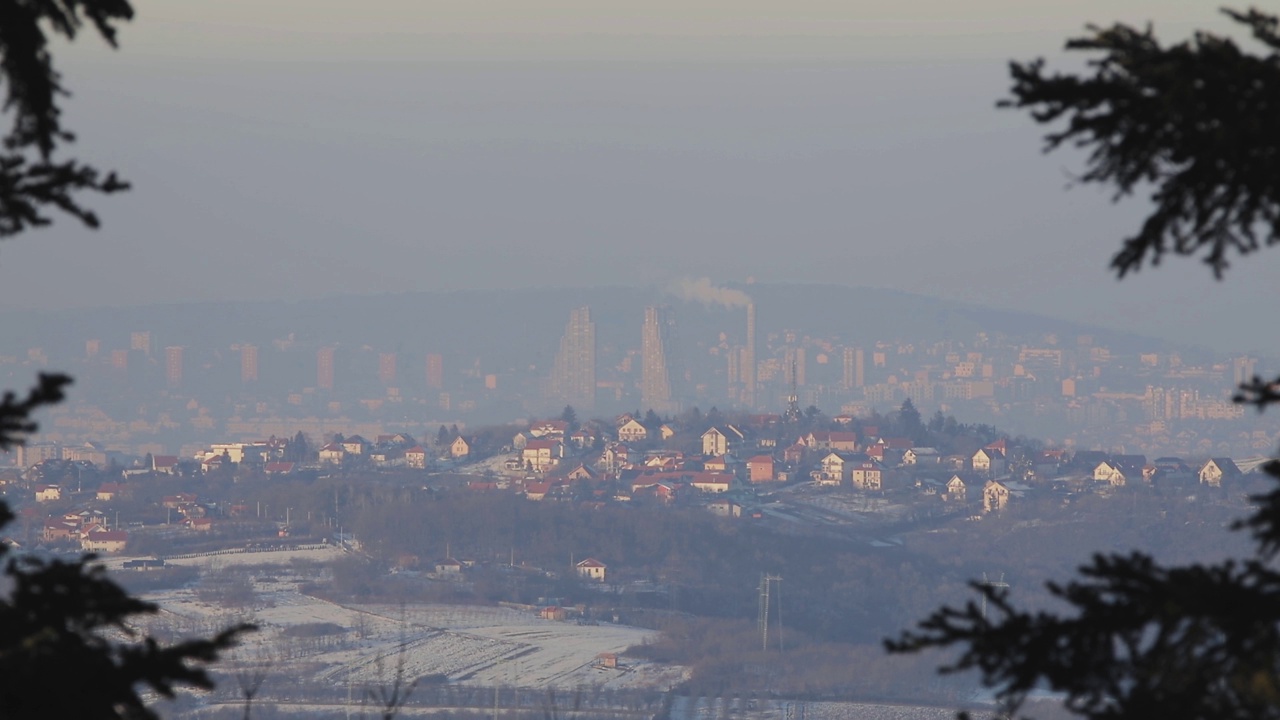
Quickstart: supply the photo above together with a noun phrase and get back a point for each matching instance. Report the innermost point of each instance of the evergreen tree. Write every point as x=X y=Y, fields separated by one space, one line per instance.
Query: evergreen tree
x=570 y=416
x=442 y=437
x=66 y=649
x=1198 y=122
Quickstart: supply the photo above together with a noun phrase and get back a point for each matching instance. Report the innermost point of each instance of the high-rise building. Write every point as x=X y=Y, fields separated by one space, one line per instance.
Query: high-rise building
x=248 y=363
x=120 y=359
x=387 y=368
x=846 y=377
x=735 y=377
x=748 y=369
x=435 y=371
x=173 y=365
x=655 y=381
x=859 y=368
x=573 y=376
x=91 y=348
x=141 y=340
x=324 y=368
x=1243 y=369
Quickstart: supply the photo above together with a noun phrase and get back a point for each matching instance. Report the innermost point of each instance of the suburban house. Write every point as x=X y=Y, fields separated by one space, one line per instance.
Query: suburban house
x=1213 y=472
x=1120 y=469
x=834 y=468
x=921 y=456
x=416 y=457
x=711 y=482
x=632 y=431
x=995 y=496
x=794 y=454
x=449 y=567
x=355 y=445
x=110 y=541
x=666 y=431
x=549 y=429
x=838 y=440
x=459 y=448
x=989 y=461
x=278 y=468
x=720 y=442
x=583 y=439
x=1109 y=471
x=760 y=469
x=108 y=491
x=582 y=472
x=867 y=475
x=592 y=569
x=332 y=453
x=48 y=493
x=956 y=488
x=725 y=508
x=165 y=464
x=541 y=455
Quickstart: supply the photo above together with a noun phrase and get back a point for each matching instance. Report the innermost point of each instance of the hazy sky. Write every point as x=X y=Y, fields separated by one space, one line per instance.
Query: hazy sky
x=301 y=148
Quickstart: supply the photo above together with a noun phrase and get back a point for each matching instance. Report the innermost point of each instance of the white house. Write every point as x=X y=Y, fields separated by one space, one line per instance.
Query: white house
x=1213 y=472
x=592 y=569
x=541 y=455
x=48 y=493
x=995 y=496
x=720 y=442
x=988 y=460
x=632 y=431
x=921 y=456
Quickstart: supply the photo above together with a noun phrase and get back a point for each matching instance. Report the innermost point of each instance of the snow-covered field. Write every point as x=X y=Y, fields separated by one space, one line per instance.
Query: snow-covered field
x=363 y=645
x=715 y=708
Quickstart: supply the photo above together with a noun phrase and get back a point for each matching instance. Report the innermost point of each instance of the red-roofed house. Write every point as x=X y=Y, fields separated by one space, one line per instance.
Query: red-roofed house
x=164 y=463
x=105 y=541
x=108 y=491
x=592 y=569
x=760 y=469
x=542 y=455
x=416 y=457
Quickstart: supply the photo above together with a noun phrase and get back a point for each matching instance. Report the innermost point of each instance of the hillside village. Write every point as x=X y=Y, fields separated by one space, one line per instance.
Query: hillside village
x=748 y=467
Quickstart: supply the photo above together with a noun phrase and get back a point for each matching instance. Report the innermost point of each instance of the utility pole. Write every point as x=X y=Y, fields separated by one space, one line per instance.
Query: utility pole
x=1000 y=583
x=767 y=581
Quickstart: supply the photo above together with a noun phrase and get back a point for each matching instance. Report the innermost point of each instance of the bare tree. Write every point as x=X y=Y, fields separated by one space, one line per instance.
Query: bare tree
x=251 y=670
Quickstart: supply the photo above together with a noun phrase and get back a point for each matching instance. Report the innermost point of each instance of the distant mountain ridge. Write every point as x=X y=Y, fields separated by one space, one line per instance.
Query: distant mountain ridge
x=530 y=321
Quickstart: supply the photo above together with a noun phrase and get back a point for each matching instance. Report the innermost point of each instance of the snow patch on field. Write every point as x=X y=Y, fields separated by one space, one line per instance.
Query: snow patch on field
x=472 y=645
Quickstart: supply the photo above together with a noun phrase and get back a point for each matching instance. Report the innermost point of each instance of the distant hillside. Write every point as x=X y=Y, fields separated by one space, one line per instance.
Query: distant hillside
x=525 y=324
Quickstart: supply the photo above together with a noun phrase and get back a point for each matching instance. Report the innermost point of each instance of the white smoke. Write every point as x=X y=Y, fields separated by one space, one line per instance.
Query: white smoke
x=701 y=290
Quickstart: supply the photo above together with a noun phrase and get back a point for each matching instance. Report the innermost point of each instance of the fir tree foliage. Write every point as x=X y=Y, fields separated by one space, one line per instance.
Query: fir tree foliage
x=1194 y=121
x=66 y=645
x=1197 y=121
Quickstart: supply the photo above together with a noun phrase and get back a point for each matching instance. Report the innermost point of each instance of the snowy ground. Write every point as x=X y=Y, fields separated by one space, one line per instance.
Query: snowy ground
x=481 y=646
x=217 y=560
x=716 y=708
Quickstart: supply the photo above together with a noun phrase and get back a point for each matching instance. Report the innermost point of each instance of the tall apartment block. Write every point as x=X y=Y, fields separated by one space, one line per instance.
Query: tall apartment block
x=387 y=368
x=248 y=363
x=573 y=376
x=435 y=371
x=655 y=380
x=324 y=368
x=748 y=369
x=141 y=340
x=173 y=365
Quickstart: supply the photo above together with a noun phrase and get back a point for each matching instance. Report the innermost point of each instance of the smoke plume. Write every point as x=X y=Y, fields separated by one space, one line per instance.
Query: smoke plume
x=701 y=290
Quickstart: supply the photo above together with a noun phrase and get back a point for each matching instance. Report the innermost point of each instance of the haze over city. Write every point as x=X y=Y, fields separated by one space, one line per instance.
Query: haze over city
x=637 y=360
x=293 y=150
